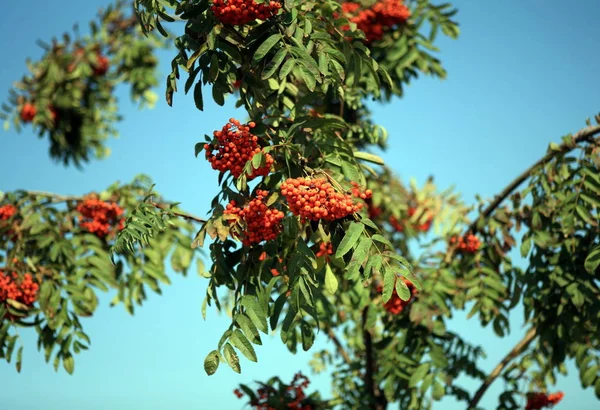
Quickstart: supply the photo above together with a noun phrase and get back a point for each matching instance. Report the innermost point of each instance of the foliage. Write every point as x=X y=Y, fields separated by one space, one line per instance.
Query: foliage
x=68 y=95
x=310 y=232
x=47 y=237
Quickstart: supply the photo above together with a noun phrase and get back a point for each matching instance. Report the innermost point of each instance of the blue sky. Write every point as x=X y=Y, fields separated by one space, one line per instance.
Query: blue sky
x=521 y=75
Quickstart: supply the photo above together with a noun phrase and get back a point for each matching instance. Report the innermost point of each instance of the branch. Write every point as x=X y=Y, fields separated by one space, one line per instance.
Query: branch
x=339 y=346
x=583 y=135
x=179 y=214
x=516 y=351
x=56 y=198
x=378 y=401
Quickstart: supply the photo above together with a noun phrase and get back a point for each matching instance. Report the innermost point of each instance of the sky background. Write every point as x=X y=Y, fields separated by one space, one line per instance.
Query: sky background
x=522 y=74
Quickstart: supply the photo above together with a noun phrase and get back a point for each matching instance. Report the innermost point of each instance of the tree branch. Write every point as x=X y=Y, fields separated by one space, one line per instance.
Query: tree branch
x=378 y=401
x=56 y=198
x=583 y=135
x=516 y=351
x=339 y=346
x=179 y=214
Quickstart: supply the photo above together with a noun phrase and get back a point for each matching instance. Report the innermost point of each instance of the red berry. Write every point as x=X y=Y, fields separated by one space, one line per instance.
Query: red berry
x=28 y=112
x=99 y=217
x=101 y=66
x=315 y=198
x=377 y=19
x=262 y=223
x=241 y=12
x=235 y=146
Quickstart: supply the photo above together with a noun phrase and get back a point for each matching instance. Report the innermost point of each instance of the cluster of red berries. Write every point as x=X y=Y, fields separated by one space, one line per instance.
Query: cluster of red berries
x=468 y=244
x=293 y=398
x=23 y=290
x=315 y=198
x=28 y=112
x=101 y=65
x=241 y=12
x=236 y=146
x=7 y=212
x=396 y=305
x=536 y=401
x=262 y=223
x=99 y=217
x=424 y=227
x=325 y=249
x=374 y=211
x=375 y=20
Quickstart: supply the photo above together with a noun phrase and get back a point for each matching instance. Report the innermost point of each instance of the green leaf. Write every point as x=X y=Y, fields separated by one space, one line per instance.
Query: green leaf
x=243 y=345
x=352 y=235
x=526 y=247
x=211 y=363
x=287 y=68
x=389 y=280
x=402 y=290
x=265 y=47
x=232 y=358
x=274 y=64
x=198 y=99
x=588 y=377
x=19 y=361
x=419 y=374
x=248 y=328
x=308 y=337
x=438 y=391
x=255 y=312
x=331 y=282
x=69 y=363
x=369 y=157
x=593 y=260
x=308 y=77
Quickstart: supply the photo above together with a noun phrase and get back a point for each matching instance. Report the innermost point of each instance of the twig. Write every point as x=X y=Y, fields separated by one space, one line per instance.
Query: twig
x=583 y=135
x=56 y=198
x=181 y=215
x=339 y=346
x=516 y=351
x=378 y=401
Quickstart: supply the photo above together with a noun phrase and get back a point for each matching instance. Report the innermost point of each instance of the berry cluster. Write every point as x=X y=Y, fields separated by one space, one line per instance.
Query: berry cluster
x=396 y=305
x=241 y=12
x=99 y=217
x=23 y=290
x=325 y=249
x=236 y=146
x=468 y=244
x=315 y=198
x=28 y=112
x=375 y=20
x=290 y=396
x=262 y=223
x=424 y=227
x=101 y=65
x=374 y=211
x=536 y=401
x=7 y=212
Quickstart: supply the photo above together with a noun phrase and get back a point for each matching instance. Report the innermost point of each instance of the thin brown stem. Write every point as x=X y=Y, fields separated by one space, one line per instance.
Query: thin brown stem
x=378 y=400
x=339 y=346
x=515 y=352
x=179 y=214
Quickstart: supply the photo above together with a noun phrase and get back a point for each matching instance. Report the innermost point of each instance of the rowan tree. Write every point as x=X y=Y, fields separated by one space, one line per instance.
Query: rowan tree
x=310 y=231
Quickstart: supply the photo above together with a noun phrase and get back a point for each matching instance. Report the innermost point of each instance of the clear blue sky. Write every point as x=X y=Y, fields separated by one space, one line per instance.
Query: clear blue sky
x=522 y=74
